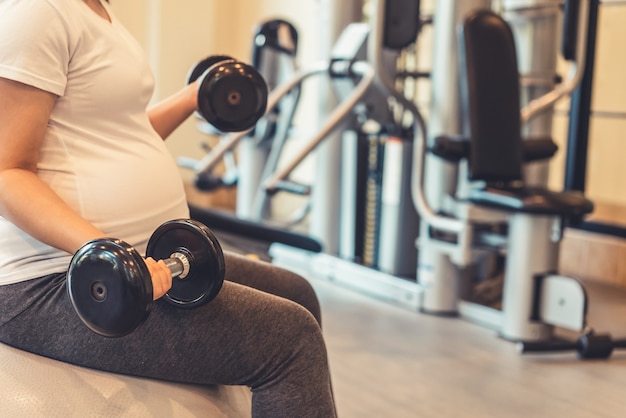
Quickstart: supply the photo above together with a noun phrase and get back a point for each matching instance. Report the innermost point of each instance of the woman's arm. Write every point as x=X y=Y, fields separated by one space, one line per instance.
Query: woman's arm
x=170 y=113
x=24 y=198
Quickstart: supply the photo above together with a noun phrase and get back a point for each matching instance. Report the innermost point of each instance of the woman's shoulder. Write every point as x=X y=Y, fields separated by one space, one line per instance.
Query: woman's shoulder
x=52 y=9
x=26 y=11
x=37 y=40
x=38 y=19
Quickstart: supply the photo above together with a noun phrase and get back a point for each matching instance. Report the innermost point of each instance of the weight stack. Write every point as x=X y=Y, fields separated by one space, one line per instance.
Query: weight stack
x=373 y=193
x=361 y=183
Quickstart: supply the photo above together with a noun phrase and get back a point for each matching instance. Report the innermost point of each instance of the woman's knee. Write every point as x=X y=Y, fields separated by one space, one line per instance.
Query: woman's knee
x=274 y=280
x=303 y=293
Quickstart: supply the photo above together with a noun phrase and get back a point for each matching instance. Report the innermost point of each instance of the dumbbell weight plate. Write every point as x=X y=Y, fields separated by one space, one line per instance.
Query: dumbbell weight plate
x=233 y=97
x=105 y=286
x=201 y=66
x=197 y=242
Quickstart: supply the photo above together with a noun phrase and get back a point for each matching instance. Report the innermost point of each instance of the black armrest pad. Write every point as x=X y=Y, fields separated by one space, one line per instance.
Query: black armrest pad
x=456 y=148
x=538 y=148
x=534 y=200
x=451 y=148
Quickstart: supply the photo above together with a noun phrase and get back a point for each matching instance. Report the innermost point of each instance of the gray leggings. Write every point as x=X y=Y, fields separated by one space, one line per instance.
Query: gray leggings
x=262 y=331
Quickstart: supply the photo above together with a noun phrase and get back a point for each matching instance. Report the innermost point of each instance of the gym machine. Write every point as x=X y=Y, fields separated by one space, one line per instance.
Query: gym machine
x=378 y=223
x=491 y=183
x=274 y=55
x=534 y=24
x=484 y=206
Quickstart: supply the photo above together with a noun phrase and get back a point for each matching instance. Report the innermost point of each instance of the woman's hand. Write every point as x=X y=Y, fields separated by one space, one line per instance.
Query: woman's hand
x=161 y=277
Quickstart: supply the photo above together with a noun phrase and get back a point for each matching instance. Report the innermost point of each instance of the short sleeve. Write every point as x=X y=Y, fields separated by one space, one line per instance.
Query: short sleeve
x=34 y=44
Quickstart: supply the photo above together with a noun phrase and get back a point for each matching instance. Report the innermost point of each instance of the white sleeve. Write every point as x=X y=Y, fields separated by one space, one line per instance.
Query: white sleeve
x=34 y=44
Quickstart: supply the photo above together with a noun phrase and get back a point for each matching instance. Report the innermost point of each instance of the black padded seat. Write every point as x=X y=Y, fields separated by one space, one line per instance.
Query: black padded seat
x=533 y=200
x=457 y=148
x=496 y=151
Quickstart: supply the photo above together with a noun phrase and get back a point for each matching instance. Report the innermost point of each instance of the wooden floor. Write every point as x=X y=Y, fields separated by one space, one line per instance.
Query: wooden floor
x=389 y=362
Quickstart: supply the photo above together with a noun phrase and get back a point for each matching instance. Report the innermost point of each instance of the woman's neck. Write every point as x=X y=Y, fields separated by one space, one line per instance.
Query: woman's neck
x=99 y=9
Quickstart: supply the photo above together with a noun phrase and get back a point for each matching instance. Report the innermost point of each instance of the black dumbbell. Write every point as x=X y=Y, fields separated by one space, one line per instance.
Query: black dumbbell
x=110 y=286
x=232 y=96
x=588 y=346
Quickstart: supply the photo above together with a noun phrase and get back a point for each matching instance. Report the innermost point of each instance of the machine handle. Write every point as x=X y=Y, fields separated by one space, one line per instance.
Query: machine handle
x=579 y=27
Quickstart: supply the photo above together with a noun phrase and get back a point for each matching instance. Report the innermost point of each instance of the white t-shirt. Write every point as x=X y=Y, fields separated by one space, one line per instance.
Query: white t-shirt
x=100 y=152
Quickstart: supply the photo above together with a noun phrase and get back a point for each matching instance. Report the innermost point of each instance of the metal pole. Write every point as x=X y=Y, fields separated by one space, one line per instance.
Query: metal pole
x=580 y=112
x=326 y=195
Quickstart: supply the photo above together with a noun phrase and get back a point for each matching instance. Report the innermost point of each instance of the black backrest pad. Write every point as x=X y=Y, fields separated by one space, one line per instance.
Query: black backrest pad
x=402 y=23
x=490 y=90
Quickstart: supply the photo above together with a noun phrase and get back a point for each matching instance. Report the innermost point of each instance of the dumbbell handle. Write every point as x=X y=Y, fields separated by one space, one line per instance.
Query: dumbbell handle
x=178 y=264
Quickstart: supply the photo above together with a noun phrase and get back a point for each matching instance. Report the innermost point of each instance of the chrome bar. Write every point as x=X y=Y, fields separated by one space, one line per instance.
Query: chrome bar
x=577 y=69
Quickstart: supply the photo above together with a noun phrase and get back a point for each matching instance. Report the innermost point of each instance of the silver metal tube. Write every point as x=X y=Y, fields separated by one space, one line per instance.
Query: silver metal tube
x=334 y=17
x=533 y=250
x=251 y=159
